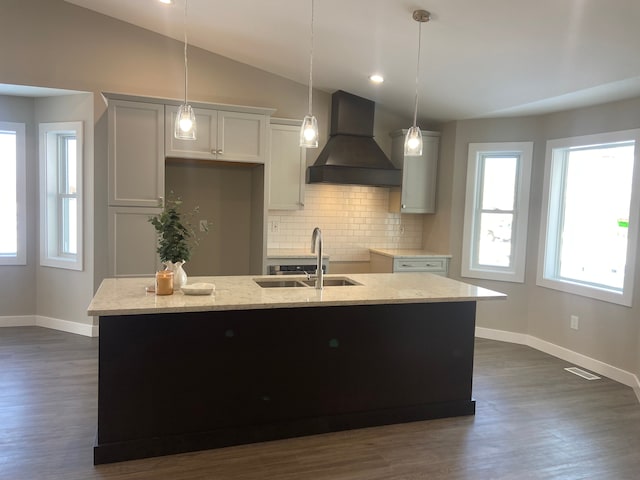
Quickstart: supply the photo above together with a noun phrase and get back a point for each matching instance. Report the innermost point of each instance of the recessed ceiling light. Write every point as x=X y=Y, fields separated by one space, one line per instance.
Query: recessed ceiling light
x=375 y=78
x=166 y=1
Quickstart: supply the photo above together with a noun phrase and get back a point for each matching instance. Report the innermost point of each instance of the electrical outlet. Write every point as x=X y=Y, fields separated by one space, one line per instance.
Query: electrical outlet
x=574 y=322
x=275 y=227
x=204 y=226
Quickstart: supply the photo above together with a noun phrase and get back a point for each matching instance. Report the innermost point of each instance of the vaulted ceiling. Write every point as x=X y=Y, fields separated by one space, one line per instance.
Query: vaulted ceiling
x=479 y=58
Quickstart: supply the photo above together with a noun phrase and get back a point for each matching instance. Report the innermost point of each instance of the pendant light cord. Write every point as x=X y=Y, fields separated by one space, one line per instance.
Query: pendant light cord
x=185 y=51
x=311 y=61
x=415 y=110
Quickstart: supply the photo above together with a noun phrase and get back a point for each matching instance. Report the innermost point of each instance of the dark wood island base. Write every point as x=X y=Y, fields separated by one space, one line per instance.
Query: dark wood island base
x=178 y=382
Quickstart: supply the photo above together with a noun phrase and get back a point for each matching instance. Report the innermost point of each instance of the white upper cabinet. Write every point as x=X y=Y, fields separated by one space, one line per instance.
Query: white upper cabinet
x=287 y=162
x=418 y=191
x=220 y=135
x=136 y=154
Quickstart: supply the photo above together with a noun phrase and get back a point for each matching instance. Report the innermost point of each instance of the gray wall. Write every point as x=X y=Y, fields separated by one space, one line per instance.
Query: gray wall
x=56 y=44
x=609 y=333
x=32 y=289
x=17 y=282
x=65 y=294
x=223 y=196
x=59 y=45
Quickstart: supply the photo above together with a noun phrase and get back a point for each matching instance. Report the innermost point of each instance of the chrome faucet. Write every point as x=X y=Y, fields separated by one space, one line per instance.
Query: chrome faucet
x=316 y=239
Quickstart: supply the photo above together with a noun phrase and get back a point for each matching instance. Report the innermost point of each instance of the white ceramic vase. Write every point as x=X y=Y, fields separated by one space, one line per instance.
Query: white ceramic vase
x=179 y=275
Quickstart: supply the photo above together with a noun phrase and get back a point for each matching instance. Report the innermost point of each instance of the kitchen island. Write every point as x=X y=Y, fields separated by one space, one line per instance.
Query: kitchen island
x=181 y=373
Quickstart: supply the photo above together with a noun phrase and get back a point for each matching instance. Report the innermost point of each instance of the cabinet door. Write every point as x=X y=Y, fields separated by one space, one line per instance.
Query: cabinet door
x=136 y=153
x=132 y=242
x=287 y=162
x=436 y=265
x=204 y=146
x=419 y=179
x=418 y=191
x=242 y=137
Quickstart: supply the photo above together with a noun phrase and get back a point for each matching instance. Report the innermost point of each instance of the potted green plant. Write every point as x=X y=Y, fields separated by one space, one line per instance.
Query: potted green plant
x=176 y=237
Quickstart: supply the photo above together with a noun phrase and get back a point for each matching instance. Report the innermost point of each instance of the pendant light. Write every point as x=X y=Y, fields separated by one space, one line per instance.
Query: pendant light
x=413 y=140
x=309 y=128
x=185 y=126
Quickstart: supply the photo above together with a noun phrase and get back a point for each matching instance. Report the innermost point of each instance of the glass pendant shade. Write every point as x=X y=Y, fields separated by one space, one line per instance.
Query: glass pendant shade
x=185 y=126
x=309 y=132
x=413 y=142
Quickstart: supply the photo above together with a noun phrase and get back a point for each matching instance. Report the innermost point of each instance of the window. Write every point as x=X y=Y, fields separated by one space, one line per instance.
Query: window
x=589 y=222
x=61 y=195
x=13 y=241
x=496 y=211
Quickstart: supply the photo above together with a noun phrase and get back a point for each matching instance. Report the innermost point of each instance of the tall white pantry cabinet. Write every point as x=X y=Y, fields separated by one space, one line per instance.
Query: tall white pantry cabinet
x=136 y=185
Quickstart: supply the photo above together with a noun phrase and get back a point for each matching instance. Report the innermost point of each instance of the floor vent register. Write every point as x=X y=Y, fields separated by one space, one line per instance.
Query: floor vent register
x=582 y=373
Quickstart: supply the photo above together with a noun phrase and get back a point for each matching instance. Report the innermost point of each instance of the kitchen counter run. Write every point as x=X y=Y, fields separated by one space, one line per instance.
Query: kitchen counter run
x=127 y=296
x=407 y=253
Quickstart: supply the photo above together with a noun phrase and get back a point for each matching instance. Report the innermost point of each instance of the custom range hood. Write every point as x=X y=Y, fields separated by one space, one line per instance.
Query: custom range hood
x=352 y=156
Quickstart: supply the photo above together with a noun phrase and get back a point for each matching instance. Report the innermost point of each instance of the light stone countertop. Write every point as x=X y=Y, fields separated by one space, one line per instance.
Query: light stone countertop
x=127 y=296
x=406 y=253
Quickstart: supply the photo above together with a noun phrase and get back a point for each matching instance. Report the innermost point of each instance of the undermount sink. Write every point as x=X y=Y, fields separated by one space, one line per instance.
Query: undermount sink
x=333 y=282
x=278 y=282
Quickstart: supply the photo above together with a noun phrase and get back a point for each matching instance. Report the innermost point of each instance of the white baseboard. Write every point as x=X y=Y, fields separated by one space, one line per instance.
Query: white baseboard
x=614 y=373
x=67 y=326
x=18 y=321
x=78 y=328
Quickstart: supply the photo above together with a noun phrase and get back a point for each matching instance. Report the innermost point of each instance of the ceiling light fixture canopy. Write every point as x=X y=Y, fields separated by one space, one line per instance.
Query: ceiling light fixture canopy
x=413 y=140
x=185 y=126
x=309 y=128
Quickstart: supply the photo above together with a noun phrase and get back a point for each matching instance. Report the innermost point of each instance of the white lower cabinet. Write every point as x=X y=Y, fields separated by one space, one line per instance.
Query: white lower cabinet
x=132 y=242
x=389 y=261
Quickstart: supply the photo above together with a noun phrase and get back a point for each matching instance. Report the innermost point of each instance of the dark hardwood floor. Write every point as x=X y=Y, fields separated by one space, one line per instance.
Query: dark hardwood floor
x=533 y=421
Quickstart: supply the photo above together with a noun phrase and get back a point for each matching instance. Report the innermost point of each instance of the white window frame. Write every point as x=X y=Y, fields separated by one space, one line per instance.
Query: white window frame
x=547 y=253
x=20 y=257
x=470 y=241
x=51 y=222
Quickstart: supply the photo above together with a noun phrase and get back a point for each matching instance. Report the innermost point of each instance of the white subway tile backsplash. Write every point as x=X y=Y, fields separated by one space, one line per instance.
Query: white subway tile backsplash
x=352 y=218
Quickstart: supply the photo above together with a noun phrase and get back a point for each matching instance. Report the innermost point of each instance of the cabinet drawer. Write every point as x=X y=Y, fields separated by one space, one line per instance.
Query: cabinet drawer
x=435 y=265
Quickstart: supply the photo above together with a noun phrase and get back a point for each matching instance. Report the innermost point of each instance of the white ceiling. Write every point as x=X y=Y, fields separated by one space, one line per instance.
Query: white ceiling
x=479 y=58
